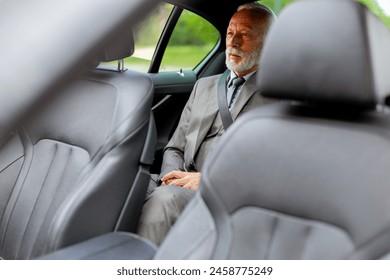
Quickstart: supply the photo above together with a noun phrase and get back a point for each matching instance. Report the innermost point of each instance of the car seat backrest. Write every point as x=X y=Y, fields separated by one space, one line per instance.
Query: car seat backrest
x=306 y=179
x=352 y=49
x=79 y=167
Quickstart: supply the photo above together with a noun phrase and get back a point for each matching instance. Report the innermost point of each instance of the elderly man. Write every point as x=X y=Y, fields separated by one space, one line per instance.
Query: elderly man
x=201 y=123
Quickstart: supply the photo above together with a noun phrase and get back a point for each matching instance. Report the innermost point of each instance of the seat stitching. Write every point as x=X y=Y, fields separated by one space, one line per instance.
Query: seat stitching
x=36 y=201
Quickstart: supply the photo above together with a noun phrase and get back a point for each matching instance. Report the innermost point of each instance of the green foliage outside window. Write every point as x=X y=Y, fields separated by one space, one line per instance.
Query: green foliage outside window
x=193 y=37
x=202 y=33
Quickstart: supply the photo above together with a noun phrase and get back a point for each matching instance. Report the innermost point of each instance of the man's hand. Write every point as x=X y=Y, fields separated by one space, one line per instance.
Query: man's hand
x=188 y=180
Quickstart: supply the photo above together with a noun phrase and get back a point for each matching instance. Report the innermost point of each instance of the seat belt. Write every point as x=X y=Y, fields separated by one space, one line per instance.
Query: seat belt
x=222 y=101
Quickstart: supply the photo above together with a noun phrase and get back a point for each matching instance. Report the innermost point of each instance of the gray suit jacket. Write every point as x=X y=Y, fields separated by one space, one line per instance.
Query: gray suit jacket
x=198 y=116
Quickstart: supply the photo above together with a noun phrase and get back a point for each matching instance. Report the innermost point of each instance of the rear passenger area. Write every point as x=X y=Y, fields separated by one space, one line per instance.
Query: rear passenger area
x=80 y=167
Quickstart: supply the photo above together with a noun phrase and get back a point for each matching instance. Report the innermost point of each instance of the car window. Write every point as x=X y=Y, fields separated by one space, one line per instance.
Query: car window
x=193 y=37
x=146 y=36
x=191 y=41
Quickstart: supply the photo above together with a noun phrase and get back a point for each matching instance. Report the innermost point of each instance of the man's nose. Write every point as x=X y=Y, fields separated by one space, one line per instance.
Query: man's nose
x=234 y=41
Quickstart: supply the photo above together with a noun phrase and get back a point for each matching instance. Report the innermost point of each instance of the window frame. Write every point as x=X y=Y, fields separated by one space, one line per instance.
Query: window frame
x=164 y=39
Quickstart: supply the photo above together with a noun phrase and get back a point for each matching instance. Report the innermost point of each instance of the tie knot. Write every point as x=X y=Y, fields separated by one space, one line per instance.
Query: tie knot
x=238 y=81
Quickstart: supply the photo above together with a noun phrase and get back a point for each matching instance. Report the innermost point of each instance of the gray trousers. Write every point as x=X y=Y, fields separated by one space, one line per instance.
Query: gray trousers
x=162 y=207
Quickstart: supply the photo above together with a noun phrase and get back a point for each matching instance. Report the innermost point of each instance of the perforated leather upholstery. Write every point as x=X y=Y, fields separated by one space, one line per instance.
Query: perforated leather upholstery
x=79 y=168
x=302 y=180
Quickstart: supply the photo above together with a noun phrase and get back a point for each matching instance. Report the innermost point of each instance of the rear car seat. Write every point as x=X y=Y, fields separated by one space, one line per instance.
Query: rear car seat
x=307 y=178
x=80 y=167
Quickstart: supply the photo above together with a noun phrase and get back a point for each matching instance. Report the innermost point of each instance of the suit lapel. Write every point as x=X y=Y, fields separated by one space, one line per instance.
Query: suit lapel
x=208 y=109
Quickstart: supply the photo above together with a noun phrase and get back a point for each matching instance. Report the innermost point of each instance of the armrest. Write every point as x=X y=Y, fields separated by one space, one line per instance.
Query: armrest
x=110 y=246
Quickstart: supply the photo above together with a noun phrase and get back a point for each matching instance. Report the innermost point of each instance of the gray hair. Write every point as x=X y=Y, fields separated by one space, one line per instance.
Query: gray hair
x=259 y=11
x=255 y=6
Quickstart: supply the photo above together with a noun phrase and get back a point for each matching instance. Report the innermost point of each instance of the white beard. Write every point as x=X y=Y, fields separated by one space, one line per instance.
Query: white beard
x=248 y=60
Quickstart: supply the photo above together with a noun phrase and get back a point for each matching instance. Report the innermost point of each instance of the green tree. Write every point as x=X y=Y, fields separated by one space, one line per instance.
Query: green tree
x=203 y=33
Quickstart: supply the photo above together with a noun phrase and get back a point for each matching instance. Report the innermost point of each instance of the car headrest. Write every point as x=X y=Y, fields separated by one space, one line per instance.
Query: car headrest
x=327 y=51
x=120 y=47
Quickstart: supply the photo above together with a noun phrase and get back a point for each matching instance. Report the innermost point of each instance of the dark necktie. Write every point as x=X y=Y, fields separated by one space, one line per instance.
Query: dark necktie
x=232 y=92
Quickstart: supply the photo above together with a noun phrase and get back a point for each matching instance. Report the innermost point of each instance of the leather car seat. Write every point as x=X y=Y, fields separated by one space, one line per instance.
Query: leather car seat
x=306 y=178
x=80 y=167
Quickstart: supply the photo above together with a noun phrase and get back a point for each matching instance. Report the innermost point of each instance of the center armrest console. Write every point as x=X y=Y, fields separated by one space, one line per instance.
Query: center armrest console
x=110 y=246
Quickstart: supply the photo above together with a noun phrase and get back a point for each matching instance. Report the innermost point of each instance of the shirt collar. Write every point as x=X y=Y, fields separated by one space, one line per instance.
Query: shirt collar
x=246 y=77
